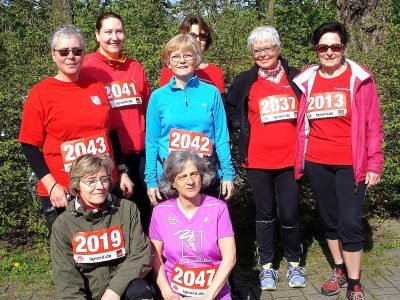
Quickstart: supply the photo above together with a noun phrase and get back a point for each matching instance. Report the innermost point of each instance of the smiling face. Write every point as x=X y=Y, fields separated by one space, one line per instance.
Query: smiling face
x=265 y=54
x=111 y=37
x=96 y=195
x=200 y=36
x=182 y=63
x=70 y=65
x=188 y=182
x=329 y=59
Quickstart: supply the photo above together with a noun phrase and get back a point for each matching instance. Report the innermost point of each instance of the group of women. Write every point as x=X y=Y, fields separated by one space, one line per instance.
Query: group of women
x=97 y=112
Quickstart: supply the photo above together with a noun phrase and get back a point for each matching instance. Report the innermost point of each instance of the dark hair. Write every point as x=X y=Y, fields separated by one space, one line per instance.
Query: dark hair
x=189 y=21
x=337 y=27
x=101 y=18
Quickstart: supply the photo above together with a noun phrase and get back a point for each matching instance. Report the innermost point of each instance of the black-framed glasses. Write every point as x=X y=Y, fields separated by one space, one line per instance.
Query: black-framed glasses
x=201 y=36
x=321 y=48
x=267 y=50
x=186 y=57
x=65 y=52
x=93 y=182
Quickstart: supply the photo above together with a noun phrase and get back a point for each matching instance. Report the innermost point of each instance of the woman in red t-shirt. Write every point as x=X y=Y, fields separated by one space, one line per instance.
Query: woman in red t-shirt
x=339 y=147
x=207 y=72
x=262 y=102
x=64 y=117
x=128 y=92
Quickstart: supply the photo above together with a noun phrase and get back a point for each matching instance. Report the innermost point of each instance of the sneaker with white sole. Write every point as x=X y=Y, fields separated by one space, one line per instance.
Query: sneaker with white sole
x=268 y=278
x=295 y=275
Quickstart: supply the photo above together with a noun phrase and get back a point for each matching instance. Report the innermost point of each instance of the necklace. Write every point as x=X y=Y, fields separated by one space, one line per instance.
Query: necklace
x=274 y=75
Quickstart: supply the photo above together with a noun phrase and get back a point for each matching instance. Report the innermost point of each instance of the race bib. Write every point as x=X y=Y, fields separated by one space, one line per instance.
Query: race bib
x=277 y=108
x=71 y=150
x=123 y=93
x=190 y=140
x=327 y=105
x=192 y=282
x=97 y=246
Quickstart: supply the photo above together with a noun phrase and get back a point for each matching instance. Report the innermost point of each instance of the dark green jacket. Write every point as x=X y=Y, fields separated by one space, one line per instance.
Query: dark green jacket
x=89 y=281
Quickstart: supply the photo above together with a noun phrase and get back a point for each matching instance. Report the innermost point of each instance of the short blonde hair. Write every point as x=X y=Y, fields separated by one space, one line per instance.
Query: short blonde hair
x=86 y=165
x=183 y=42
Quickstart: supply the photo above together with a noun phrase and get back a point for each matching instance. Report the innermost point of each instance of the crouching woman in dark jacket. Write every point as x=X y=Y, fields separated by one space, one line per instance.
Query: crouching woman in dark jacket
x=98 y=248
x=262 y=103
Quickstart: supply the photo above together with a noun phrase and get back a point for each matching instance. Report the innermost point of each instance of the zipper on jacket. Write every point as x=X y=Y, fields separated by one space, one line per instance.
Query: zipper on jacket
x=186 y=102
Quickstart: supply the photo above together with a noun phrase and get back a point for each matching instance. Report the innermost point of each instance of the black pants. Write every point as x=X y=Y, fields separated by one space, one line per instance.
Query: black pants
x=276 y=192
x=136 y=164
x=340 y=203
x=138 y=289
x=50 y=213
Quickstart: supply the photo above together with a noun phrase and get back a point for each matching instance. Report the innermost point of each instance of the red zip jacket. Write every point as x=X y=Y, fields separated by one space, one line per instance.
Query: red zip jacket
x=128 y=92
x=366 y=122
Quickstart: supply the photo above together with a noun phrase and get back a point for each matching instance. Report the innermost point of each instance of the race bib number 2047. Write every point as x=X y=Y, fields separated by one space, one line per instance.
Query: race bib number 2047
x=97 y=246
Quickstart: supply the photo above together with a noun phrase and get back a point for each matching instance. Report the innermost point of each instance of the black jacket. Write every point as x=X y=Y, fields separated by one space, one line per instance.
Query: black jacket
x=237 y=102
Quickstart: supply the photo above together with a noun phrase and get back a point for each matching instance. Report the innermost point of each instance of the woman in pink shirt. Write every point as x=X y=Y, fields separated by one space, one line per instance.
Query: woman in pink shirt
x=192 y=235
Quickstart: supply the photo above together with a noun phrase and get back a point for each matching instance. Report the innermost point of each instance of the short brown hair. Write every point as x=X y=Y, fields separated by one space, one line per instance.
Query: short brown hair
x=86 y=165
x=190 y=20
x=182 y=42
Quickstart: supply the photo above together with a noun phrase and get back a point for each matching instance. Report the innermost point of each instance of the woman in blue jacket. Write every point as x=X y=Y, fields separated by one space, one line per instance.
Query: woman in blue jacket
x=187 y=114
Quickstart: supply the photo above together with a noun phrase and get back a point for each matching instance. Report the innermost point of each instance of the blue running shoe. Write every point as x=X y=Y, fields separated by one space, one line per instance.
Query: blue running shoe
x=295 y=275
x=268 y=278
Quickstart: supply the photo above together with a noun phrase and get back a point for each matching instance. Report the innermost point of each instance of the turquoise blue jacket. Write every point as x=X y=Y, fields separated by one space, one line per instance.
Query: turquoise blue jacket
x=198 y=107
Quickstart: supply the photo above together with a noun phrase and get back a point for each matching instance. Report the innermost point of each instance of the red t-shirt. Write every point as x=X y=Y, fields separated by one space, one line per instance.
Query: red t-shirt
x=56 y=112
x=128 y=92
x=210 y=74
x=329 y=112
x=272 y=141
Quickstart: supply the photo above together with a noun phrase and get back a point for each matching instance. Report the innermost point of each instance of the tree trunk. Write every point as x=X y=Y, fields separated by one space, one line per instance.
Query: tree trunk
x=62 y=13
x=271 y=12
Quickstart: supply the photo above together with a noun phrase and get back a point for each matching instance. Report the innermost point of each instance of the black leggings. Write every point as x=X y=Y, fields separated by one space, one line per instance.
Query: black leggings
x=50 y=213
x=340 y=203
x=276 y=191
x=138 y=289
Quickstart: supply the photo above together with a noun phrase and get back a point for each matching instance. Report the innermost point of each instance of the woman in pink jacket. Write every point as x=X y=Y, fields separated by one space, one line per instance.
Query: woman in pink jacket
x=339 y=147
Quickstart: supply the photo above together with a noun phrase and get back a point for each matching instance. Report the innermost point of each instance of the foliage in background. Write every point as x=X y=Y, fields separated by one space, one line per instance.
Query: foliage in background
x=24 y=57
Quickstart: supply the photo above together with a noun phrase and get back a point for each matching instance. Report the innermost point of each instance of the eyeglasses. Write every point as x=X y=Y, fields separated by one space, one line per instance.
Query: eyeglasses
x=321 y=48
x=186 y=57
x=93 y=182
x=201 y=36
x=65 y=52
x=258 y=51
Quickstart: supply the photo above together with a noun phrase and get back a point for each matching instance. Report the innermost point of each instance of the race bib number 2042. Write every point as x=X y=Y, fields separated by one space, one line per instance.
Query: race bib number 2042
x=190 y=140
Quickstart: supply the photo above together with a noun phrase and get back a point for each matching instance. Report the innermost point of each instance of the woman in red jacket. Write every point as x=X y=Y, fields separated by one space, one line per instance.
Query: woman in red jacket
x=339 y=146
x=128 y=92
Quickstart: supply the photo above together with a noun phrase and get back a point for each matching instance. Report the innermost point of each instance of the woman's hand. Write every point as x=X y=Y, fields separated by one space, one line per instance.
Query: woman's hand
x=58 y=196
x=170 y=295
x=110 y=295
x=126 y=186
x=372 y=179
x=154 y=195
x=227 y=189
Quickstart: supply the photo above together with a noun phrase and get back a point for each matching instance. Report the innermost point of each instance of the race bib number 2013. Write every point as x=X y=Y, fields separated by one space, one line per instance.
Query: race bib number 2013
x=192 y=282
x=189 y=140
x=97 y=246
x=277 y=108
x=71 y=150
x=327 y=105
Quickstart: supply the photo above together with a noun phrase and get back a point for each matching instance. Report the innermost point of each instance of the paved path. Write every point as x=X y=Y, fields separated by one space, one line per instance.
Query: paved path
x=384 y=285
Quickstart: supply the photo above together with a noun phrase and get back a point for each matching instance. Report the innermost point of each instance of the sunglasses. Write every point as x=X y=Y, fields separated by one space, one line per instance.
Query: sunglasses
x=202 y=36
x=65 y=52
x=321 y=48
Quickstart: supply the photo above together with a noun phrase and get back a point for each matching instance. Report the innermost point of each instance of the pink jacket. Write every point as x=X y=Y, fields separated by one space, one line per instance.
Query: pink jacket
x=366 y=122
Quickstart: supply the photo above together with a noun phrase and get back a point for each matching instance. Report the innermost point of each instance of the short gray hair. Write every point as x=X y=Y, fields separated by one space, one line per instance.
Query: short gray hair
x=85 y=165
x=65 y=31
x=262 y=34
x=174 y=164
x=184 y=42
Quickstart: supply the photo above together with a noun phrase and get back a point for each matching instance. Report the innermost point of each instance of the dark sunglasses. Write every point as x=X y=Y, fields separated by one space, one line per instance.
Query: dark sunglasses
x=65 y=52
x=202 y=36
x=321 y=48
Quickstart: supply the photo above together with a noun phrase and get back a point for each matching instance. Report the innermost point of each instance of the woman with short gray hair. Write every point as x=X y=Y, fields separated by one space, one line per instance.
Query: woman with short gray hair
x=191 y=233
x=64 y=117
x=262 y=103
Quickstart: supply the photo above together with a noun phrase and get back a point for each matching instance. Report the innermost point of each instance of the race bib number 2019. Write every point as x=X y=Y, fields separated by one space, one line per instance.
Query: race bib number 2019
x=277 y=108
x=327 y=105
x=97 y=246
x=192 y=282
x=71 y=150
